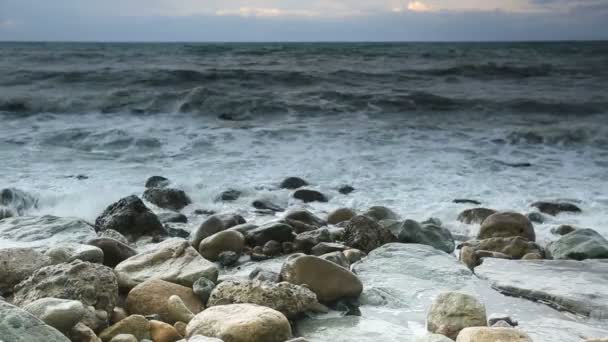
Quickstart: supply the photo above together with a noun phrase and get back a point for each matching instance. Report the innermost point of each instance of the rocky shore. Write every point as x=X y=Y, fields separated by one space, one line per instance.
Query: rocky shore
x=143 y=272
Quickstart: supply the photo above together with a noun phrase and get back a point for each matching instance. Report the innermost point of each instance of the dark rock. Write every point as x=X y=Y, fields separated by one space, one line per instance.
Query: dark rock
x=264 y=275
x=475 y=215
x=174 y=231
x=380 y=213
x=215 y=224
x=466 y=201
x=167 y=198
x=305 y=216
x=157 y=182
x=130 y=217
x=306 y=241
x=495 y=318
x=348 y=306
x=228 y=195
x=273 y=231
x=204 y=212
x=172 y=218
x=299 y=226
x=228 y=258
x=536 y=217
x=308 y=195
x=563 y=230
x=346 y=189
x=258 y=256
x=272 y=248
x=554 y=208
x=293 y=183
x=288 y=247
x=327 y=247
x=516 y=165
x=580 y=244
x=429 y=234
x=202 y=288
x=263 y=204
x=366 y=234
x=114 y=251
x=112 y=234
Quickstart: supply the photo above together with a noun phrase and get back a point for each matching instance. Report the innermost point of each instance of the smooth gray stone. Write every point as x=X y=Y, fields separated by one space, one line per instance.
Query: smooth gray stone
x=43 y=231
x=577 y=286
x=580 y=244
x=17 y=325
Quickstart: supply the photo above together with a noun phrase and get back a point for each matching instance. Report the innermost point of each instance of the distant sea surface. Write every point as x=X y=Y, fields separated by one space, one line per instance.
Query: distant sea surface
x=411 y=126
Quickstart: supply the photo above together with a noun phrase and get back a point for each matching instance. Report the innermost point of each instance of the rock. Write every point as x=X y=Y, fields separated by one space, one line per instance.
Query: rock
x=82 y=333
x=124 y=338
x=453 y=311
x=117 y=315
x=151 y=297
x=130 y=217
x=304 y=216
x=202 y=288
x=228 y=258
x=172 y=260
x=228 y=240
x=6 y=212
x=228 y=196
x=178 y=311
x=494 y=318
x=554 y=208
x=96 y=319
x=466 y=201
x=329 y=281
x=43 y=231
x=380 y=213
x=536 y=217
x=340 y=215
x=306 y=241
x=163 y=332
x=18 y=200
x=68 y=252
x=135 y=325
x=17 y=325
x=513 y=247
x=289 y=299
x=366 y=234
x=430 y=234
x=157 y=182
x=353 y=255
x=61 y=314
x=264 y=204
x=112 y=234
x=214 y=224
x=581 y=244
x=180 y=327
x=433 y=338
x=172 y=218
x=563 y=230
x=475 y=215
x=531 y=256
x=241 y=323
x=199 y=338
x=501 y=324
x=485 y=334
x=574 y=286
x=16 y=264
x=346 y=189
x=91 y=284
x=506 y=224
x=327 y=247
x=288 y=247
x=309 y=195
x=337 y=258
x=167 y=198
x=272 y=231
x=114 y=251
x=293 y=183
x=272 y=248
x=264 y=275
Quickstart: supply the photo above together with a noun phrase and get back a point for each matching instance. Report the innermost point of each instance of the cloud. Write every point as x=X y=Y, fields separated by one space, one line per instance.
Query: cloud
x=417 y=6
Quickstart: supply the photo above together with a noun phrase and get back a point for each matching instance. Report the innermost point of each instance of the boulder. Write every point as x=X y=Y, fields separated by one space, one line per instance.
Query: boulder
x=554 y=208
x=580 y=244
x=17 y=325
x=17 y=200
x=272 y=248
x=306 y=241
x=167 y=198
x=260 y=274
x=82 y=333
x=562 y=229
x=112 y=234
x=202 y=288
x=228 y=196
x=327 y=247
x=485 y=334
x=114 y=251
x=178 y=311
x=453 y=311
x=329 y=281
x=43 y=231
x=163 y=332
x=279 y=232
x=172 y=260
x=264 y=204
x=17 y=264
x=151 y=298
x=366 y=234
x=289 y=299
x=130 y=217
x=68 y=252
x=157 y=182
x=345 y=189
x=340 y=215
x=511 y=247
x=228 y=240
x=506 y=224
x=304 y=216
x=135 y=325
x=172 y=217
x=61 y=314
x=380 y=213
x=214 y=224
x=309 y=195
x=536 y=217
x=92 y=284
x=337 y=258
x=241 y=323
x=429 y=234
x=475 y=215
x=293 y=183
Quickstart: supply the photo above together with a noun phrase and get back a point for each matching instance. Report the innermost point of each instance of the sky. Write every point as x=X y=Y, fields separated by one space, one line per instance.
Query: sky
x=302 y=20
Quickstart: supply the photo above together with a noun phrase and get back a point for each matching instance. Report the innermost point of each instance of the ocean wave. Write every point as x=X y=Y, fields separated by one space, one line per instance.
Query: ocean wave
x=494 y=71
